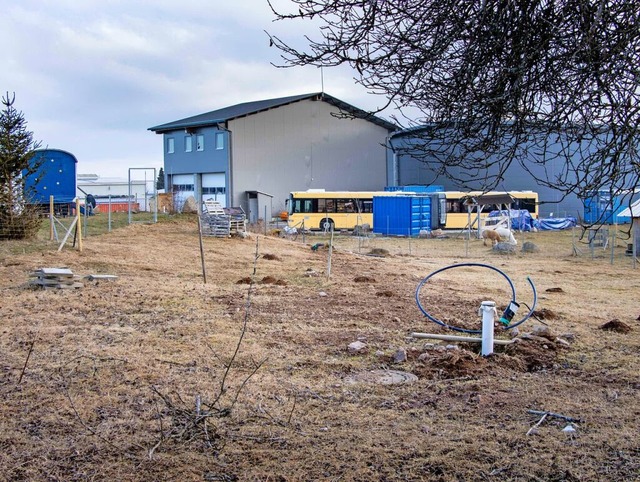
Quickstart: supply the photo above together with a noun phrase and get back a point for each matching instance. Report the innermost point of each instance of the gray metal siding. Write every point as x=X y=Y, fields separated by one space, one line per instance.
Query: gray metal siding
x=302 y=146
x=417 y=171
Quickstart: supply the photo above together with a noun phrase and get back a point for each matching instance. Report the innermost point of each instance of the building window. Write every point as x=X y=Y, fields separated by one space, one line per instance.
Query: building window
x=188 y=143
x=171 y=146
x=213 y=190
x=200 y=142
x=219 y=140
x=182 y=187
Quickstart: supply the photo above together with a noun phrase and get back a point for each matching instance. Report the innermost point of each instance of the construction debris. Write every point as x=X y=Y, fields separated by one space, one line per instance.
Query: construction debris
x=98 y=277
x=59 y=278
x=222 y=222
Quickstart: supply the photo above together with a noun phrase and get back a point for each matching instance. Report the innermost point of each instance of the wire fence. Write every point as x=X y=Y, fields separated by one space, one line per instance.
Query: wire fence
x=607 y=244
x=611 y=244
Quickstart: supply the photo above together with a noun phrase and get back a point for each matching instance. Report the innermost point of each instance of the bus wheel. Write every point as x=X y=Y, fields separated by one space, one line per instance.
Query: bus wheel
x=326 y=224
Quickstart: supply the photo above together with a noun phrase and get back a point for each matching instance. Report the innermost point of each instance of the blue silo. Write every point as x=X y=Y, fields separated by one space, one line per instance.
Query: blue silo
x=55 y=177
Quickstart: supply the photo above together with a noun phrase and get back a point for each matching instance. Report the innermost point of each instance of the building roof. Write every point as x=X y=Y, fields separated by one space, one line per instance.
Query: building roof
x=47 y=151
x=226 y=114
x=631 y=212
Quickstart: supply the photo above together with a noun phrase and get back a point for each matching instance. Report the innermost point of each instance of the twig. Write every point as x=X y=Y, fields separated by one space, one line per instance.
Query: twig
x=169 y=362
x=295 y=399
x=153 y=449
x=244 y=382
x=555 y=415
x=531 y=430
x=33 y=342
x=244 y=328
x=91 y=430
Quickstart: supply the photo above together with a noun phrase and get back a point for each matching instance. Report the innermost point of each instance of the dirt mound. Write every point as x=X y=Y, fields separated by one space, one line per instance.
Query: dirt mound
x=554 y=290
x=450 y=364
x=386 y=293
x=363 y=279
x=532 y=355
x=545 y=314
x=617 y=326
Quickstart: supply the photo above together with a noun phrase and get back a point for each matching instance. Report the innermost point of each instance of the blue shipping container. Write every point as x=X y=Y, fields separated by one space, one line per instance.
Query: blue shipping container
x=56 y=177
x=403 y=215
x=602 y=208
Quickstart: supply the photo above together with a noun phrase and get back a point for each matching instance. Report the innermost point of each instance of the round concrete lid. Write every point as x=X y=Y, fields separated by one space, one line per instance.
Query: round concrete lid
x=383 y=377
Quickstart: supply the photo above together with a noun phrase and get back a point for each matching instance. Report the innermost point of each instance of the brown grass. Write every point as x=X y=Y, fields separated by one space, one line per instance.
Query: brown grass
x=122 y=380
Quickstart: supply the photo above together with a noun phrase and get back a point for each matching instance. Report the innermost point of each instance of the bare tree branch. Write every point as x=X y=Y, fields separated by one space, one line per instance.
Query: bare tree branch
x=552 y=86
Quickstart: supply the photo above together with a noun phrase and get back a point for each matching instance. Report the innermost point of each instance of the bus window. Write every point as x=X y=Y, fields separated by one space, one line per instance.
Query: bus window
x=453 y=206
x=326 y=206
x=527 y=203
x=345 y=206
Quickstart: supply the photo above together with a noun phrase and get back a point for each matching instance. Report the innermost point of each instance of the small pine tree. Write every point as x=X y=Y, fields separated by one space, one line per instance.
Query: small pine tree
x=160 y=180
x=18 y=219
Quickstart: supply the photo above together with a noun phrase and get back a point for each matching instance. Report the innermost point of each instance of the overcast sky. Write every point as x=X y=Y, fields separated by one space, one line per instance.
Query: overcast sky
x=92 y=76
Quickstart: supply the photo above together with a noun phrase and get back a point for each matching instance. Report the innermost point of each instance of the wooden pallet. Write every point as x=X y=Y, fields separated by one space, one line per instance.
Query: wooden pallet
x=218 y=225
x=58 y=278
x=213 y=207
x=237 y=219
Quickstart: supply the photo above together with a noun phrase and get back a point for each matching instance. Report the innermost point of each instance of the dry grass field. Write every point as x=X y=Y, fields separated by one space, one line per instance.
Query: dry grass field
x=158 y=376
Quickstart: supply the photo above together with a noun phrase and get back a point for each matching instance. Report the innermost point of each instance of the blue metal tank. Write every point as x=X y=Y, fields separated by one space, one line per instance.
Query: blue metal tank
x=55 y=177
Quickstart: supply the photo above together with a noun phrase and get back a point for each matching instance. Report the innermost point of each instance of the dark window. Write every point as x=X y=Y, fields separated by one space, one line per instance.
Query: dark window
x=345 y=206
x=528 y=203
x=456 y=206
x=214 y=190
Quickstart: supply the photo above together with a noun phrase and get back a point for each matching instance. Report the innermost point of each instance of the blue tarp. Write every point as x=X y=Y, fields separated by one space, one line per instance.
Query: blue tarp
x=521 y=219
x=555 y=224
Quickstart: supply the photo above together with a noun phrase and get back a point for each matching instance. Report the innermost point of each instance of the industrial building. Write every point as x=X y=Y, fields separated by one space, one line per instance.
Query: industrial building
x=115 y=194
x=253 y=154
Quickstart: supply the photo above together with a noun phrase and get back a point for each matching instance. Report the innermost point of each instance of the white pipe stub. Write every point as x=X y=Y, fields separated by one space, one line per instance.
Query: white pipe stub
x=489 y=313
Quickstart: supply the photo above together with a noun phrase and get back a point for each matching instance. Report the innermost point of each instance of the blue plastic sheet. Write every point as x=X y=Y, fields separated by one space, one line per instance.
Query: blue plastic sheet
x=521 y=219
x=555 y=224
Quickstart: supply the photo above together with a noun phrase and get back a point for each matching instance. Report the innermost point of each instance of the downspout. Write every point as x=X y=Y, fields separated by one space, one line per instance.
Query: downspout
x=229 y=176
x=230 y=168
x=395 y=168
x=393 y=181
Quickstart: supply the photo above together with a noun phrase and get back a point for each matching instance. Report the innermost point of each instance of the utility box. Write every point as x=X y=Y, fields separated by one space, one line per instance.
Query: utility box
x=407 y=215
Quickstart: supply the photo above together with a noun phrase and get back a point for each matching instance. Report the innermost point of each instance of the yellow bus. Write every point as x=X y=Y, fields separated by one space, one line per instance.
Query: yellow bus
x=463 y=208
x=324 y=210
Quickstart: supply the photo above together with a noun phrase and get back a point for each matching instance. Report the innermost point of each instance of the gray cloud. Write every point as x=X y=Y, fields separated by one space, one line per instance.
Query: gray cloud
x=92 y=76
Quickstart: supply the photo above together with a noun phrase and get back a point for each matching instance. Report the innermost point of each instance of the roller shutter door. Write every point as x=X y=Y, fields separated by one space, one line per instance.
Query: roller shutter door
x=214 y=187
x=182 y=187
